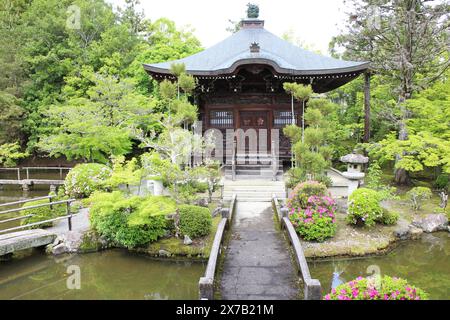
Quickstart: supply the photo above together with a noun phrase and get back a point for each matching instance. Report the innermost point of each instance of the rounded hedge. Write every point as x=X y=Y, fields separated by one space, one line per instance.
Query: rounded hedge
x=86 y=178
x=364 y=207
x=377 y=288
x=195 y=221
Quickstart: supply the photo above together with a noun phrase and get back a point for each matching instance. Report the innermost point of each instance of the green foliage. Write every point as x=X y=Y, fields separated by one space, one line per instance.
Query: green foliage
x=46 y=66
x=302 y=192
x=297 y=176
x=187 y=83
x=11 y=117
x=373 y=181
x=42 y=213
x=129 y=222
x=313 y=147
x=364 y=207
x=420 y=151
x=389 y=217
x=86 y=178
x=154 y=165
x=177 y=69
x=124 y=173
x=96 y=127
x=167 y=90
x=293 y=132
x=10 y=153
x=151 y=207
x=195 y=221
x=442 y=182
x=417 y=195
x=298 y=91
x=377 y=288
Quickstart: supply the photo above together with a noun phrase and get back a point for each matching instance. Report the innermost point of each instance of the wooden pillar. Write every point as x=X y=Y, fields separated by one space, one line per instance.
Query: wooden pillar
x=366 y=107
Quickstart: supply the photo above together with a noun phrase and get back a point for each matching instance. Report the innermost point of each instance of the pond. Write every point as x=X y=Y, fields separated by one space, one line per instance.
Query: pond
x=424 y=263
x=112 y=275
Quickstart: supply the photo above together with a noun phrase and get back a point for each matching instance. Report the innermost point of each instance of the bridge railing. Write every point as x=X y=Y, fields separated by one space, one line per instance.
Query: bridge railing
x=27 y=171
x=68 y=215
x=206 y=283
x=312 y=287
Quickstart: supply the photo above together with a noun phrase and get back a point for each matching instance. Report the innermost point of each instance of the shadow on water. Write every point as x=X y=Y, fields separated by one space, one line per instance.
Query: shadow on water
x=424 y=263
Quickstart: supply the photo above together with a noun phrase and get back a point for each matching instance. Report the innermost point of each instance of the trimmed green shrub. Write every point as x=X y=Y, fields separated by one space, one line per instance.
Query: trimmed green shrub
x=302 y=192
x=42 y=213
x=377 y=288
x=389 y=217
x=130 y=222
x=417 y=195
x=364 y=207
x=86 y=178
x=195 y=221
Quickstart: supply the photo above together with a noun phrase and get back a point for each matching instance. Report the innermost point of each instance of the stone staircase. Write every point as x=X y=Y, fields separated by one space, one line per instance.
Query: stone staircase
x=257 y=190
x=254 y=167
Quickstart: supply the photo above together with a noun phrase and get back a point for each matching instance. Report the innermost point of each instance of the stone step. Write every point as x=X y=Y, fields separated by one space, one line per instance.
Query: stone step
x=229 y=177
x=252 y=199
x=254 y=182
x=265 y=173
x=253 y=188
x=254 y=192
x=260 y=196
x=254 y=166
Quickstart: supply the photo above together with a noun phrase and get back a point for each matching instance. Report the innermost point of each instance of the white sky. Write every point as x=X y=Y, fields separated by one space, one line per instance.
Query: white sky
x=314 y=22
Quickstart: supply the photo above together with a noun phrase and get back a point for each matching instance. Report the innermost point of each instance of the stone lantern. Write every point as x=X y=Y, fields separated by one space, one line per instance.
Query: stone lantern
x=354 y=173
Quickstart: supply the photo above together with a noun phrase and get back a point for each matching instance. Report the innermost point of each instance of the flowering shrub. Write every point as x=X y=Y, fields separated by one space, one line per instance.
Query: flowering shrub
x=317 y=221
x=364 y=207
x=86 y=178
x=381 y=288
x=303 y=191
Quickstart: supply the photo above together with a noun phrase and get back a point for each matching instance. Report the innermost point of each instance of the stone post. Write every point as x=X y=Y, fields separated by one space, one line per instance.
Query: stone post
x=284 y=214
x=313 y=290
x=225 y=213
x=206 y=289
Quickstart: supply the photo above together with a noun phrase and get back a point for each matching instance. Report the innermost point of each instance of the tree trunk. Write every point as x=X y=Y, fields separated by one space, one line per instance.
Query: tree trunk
x=401 y=175
x=366 y=107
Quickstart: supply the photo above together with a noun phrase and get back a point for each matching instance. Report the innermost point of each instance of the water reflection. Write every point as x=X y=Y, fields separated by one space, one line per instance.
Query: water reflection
x=424 y=263
x=111 y=275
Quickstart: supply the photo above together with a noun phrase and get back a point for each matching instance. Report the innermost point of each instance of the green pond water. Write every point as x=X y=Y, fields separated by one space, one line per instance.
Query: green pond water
x=424 y=263
x=112 y=275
